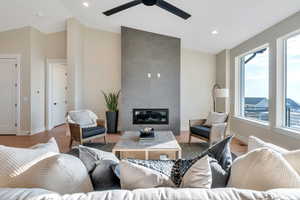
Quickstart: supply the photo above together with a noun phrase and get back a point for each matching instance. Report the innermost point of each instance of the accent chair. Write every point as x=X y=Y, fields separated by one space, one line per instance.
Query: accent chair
x=211 y=134
x=85 y=126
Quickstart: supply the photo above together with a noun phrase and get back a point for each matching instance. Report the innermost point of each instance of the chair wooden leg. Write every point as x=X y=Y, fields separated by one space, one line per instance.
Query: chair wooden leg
x=190 y=138
x=71 y=143
x=105 y=139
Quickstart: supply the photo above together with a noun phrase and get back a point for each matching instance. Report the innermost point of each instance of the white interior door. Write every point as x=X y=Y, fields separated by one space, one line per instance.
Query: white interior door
x=9 y=94
x=59 y=94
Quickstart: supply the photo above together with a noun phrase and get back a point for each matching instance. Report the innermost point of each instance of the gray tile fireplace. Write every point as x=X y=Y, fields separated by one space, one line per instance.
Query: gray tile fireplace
x=150 y=81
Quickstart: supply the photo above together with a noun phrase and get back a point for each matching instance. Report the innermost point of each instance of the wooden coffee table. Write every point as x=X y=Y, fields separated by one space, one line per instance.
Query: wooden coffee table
x=164 y=143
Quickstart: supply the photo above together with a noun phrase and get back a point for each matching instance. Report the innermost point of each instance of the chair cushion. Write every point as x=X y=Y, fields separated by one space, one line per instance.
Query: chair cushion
x=92 y=131
x=201 y=131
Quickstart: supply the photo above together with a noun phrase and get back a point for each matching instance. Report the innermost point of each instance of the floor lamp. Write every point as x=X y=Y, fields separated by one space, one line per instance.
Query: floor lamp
x=219 y=92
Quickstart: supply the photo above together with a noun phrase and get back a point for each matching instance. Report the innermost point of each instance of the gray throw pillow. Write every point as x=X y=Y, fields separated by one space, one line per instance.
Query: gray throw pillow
x=220 y=177
x=99 y=165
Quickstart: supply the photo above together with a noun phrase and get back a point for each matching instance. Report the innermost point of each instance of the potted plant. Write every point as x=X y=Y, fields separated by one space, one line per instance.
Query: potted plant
x=112 y=112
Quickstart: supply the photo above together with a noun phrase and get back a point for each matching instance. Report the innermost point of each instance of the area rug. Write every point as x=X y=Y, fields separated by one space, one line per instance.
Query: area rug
x=188 y=150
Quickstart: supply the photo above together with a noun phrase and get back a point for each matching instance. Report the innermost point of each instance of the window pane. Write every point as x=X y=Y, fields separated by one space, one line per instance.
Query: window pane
x=293 y=82
x=255 y=86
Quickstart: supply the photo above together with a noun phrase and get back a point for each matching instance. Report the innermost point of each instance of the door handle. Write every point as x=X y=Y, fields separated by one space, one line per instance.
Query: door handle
x=55 y=103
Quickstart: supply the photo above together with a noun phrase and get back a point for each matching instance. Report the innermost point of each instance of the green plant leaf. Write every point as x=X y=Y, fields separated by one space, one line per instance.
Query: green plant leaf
x=111 y=100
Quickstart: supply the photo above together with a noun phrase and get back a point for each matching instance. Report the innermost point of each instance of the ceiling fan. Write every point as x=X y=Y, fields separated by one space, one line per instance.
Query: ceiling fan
x=160 y=3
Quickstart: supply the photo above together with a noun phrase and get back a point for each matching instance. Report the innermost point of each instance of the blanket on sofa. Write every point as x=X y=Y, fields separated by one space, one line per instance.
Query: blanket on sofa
x=154 y=194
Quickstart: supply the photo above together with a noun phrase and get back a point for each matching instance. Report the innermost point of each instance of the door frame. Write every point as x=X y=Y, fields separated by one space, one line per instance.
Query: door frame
x=16 y=57
x=49 y=80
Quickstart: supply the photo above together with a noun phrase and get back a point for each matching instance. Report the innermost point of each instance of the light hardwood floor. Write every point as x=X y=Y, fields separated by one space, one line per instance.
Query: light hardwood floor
x=62 y=137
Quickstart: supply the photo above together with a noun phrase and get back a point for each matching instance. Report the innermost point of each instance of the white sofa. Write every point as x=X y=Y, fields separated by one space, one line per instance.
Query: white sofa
x=142 y=194
x=154 y=194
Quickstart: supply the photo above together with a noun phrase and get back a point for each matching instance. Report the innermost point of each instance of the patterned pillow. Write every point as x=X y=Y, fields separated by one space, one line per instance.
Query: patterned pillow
x=220 y=151
x=162 y=166
x=135 y=176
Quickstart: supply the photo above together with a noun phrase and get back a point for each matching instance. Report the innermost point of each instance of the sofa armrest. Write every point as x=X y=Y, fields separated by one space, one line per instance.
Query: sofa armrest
x=217 y=132
x=101 y=122
x=196 y=122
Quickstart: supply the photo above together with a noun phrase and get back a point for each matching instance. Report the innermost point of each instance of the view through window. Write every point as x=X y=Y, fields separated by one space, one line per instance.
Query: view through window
x=255 y=85
x=292 y=99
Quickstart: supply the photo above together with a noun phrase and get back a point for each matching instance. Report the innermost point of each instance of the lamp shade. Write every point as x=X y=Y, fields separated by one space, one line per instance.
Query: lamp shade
x=222 y=93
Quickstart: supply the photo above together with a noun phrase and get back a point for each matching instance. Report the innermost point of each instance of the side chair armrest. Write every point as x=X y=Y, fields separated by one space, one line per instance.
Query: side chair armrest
x=75 y=130
x=196 y=122
x=73 y=125
x=101 y=122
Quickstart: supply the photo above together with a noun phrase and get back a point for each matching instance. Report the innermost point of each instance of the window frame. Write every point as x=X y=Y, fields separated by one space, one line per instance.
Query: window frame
x=282 y=82
x=240 y=91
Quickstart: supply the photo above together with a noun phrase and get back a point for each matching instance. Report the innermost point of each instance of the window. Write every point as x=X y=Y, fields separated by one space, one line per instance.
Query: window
x=254 y=85
x=292 y=82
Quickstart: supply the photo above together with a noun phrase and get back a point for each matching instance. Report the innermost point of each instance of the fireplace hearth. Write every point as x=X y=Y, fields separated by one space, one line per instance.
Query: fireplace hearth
x=150 y=116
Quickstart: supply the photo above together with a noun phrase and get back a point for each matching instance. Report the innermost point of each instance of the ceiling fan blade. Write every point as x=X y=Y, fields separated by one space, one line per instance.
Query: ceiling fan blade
x=122 y=7
x=169 y=7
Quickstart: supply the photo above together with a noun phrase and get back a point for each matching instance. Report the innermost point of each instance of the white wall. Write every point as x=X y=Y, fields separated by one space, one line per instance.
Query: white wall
x=33 y=46
x=94 y=58
x=102 y=67
x=75 y=52
x=17 y=42
x=37 y=80
x=271 y=133
x=100 y=53
x=57 y=45
x=198 y=72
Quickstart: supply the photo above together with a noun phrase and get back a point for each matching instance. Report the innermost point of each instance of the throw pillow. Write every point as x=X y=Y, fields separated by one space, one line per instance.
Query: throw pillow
x=215 y=118
x=198 y=175
x=91 y=156
x=263 y=169
x=292 y=157
x=219 y=175
x=99 y=165
x=134 y=176
x=255 y=143
x=39 y=168
x=220 y=151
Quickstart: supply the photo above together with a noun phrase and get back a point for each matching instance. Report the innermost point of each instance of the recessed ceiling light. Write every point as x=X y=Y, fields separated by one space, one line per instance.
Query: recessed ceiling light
x=86 y=4
x=215 y=32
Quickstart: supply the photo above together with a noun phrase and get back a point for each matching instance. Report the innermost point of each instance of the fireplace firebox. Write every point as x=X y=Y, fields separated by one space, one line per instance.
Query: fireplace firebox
x=150 y=116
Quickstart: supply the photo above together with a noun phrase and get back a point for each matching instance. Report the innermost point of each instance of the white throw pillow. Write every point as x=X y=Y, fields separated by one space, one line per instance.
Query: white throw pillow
x=292 y=157
x=263 y=169
x=198 y=176
x=42 y=167
x=133 y=176
x=215 y=118
x=256 y=143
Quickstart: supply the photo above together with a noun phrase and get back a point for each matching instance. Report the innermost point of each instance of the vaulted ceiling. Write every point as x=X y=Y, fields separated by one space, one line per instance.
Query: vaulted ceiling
x=235 y=20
